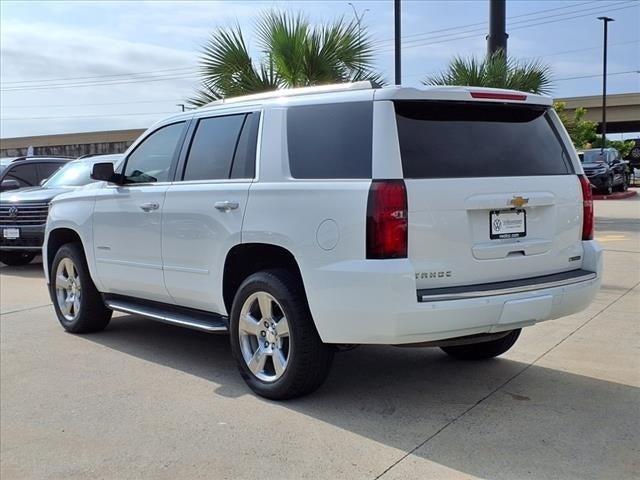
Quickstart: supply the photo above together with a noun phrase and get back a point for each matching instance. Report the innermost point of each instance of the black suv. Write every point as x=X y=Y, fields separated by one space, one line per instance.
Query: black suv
x=23 y=213
x=24 y=172
x=605 y=169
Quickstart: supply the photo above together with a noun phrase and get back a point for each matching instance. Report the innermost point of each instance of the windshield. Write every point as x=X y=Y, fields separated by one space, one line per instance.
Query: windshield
x=593 y=156
x=74 y=174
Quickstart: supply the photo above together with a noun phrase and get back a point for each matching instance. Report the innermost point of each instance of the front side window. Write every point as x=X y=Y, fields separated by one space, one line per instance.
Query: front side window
x=151 y=161
x=330 y=140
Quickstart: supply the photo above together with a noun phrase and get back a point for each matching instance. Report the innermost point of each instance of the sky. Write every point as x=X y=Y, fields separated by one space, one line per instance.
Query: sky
x=76 y=66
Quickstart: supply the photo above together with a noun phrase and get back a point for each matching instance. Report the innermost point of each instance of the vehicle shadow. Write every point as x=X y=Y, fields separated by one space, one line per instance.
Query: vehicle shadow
x=31 y=270
x=544 y=424
x=617 y=224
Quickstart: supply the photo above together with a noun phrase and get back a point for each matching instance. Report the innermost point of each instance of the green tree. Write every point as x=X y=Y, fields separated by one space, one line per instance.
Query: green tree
x=293 y=54
x=624 y=147
x=496 y=71
x=581 y=131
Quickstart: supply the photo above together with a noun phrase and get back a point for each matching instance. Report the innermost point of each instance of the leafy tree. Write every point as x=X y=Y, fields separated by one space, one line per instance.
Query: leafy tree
x=293 y=54
x=624 y=147
x=496 y=71
x=581 y=131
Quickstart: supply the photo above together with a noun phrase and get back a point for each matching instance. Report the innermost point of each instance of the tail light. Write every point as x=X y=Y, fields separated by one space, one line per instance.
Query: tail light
x=587 y=208
x=387 y=220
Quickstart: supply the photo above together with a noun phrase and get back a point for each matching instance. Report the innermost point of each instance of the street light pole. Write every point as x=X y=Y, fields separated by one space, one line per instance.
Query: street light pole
x=358 y=22
x=497 y=38
x=605 y=21
x=397 y=45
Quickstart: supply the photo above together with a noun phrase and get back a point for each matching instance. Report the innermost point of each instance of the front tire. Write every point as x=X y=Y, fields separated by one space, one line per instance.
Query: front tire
x=273 y=337
x=608 y=188
x=484 y=350
x=76 y=300
x=17 y=258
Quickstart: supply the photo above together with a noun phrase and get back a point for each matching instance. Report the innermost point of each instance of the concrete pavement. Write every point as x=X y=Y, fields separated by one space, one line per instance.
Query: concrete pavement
x=147 y=400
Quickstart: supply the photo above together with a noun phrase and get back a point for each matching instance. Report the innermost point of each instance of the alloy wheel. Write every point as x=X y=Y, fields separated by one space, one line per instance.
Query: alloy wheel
x=263 y=332
x=68 y=289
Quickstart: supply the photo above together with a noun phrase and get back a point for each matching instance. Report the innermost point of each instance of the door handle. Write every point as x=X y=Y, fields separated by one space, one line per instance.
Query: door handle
x=148 y=207
x=226 y=205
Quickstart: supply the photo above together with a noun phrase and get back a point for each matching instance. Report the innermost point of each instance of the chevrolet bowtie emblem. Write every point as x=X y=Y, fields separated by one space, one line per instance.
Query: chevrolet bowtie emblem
x=518 y=202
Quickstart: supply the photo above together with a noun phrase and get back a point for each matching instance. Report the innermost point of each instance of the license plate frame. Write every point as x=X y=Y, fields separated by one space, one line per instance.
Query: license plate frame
x=11 y=233
x=505 y=224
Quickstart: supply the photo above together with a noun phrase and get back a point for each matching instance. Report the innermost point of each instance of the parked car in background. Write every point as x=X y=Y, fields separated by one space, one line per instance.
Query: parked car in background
x=605 y=169
x=23 y=213
x=634 y=155
x=307 y=219
x=21 y=172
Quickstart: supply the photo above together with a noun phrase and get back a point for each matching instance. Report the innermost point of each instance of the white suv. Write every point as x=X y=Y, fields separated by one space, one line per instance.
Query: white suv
x=307 y=219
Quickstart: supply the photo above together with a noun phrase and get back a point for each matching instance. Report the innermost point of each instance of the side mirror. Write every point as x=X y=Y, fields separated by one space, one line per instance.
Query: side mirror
x=104 y=172
x=9 y=184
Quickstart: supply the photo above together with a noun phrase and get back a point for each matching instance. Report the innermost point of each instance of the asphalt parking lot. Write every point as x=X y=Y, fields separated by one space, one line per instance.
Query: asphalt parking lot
x=148 y=400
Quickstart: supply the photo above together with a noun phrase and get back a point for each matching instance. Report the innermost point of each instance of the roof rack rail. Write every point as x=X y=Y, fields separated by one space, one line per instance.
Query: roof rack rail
x=292 y=92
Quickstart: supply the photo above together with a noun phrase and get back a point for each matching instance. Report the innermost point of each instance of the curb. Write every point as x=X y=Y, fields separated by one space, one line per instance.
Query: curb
x=616 y=195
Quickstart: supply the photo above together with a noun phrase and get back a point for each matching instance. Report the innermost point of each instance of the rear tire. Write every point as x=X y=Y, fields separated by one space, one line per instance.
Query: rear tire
x=485 y=350
x=76 y=300
x=17 y=258
x=273 y=337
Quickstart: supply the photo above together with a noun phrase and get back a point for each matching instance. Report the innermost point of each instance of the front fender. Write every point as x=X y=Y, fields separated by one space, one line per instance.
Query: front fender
x=72 y=212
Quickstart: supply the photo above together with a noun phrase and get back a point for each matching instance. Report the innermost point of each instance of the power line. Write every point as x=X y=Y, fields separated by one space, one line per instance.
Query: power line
x=485 y=23
x=97 y=84
x=102 y=76
x=166 y=113
x=544 y=55
x=422 y=44
x=596 y=75
x=88 y=116
x=93 y=104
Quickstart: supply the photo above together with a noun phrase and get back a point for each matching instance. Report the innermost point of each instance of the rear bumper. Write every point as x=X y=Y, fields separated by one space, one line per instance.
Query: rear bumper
x=31 y=238
x=376 y=304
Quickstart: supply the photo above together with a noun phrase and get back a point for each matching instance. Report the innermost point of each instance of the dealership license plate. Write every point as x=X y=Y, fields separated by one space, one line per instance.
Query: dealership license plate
x=507 y=224
x=11 y=233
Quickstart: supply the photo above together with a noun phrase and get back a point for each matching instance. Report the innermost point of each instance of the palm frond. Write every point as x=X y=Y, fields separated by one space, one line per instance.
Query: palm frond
x=294 y=54
x=496 y=71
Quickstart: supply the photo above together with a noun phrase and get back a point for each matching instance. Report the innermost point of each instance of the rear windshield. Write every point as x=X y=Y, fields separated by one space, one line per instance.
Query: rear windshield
x=452 y=140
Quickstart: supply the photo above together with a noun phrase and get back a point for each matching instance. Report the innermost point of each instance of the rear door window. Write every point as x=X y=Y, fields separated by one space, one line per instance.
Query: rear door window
x=457 y=139
x=222 y=148
x=330 y=141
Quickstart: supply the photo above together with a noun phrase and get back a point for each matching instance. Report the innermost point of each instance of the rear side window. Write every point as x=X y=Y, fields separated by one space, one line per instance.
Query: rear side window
x=453 y=140
x=222 y=148
x=330 y=141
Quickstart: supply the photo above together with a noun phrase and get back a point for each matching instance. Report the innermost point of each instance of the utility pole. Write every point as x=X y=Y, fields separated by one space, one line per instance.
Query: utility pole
x=397 y=41
x=605 y=21
x=358 y=22
x=497 y=38
x=182 y=105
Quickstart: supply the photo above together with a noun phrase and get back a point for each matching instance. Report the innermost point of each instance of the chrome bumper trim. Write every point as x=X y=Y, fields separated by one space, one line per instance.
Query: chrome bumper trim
x=505 y=288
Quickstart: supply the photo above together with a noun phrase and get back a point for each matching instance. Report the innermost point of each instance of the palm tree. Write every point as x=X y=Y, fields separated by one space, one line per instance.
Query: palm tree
x=294 y=54
x=497 y=71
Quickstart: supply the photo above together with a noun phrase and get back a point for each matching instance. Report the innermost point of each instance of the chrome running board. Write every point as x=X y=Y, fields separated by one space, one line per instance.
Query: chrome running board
x=505 y=288
x=182 y=317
